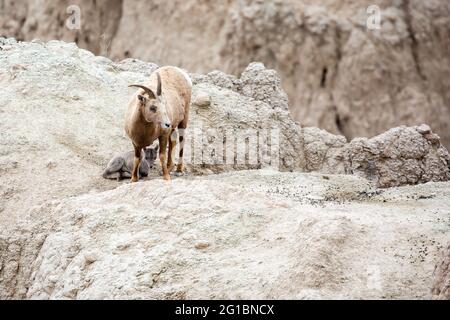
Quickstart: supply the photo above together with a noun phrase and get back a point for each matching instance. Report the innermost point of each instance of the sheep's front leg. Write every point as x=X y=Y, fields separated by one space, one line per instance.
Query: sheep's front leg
x=163 y=156
x=137 y=164
x=172 y=149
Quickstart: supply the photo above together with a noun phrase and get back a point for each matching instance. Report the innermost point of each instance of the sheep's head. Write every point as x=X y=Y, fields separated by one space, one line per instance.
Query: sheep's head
x=153 y=105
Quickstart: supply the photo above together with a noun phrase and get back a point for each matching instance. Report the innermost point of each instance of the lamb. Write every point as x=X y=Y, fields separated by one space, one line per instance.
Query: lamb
x=120 y=167
x=160 y=110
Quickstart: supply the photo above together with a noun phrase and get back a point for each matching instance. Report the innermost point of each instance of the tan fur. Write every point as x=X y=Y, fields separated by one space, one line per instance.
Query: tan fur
x=143 y=128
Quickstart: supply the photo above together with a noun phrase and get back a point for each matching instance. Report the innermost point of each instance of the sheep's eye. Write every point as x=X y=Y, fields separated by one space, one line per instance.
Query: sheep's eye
x=153 y=108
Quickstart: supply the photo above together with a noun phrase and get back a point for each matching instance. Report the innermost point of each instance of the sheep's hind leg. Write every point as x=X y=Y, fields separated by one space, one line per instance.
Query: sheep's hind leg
x=180 y=167
x=137 y=163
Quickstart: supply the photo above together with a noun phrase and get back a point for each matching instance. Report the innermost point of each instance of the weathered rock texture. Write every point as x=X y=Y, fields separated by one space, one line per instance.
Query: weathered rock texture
x=64 y=235
x=403 y=155
x=246 y=235
x=441 y=287
x=339 y=75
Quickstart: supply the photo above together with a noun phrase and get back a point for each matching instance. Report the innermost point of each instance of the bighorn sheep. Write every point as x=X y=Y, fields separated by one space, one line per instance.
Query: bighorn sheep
x=120 y=167
x=156 y=111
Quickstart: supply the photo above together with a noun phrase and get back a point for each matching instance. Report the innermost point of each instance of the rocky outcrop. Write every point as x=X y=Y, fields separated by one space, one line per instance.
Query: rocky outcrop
x=338 y=74
x=441 y=286
x=255 y=102
x=400 y=156
x=403 y=155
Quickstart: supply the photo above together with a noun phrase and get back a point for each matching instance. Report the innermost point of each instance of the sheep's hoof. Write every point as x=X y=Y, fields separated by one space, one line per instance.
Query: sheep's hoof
x=133 y=180
x=166 y=177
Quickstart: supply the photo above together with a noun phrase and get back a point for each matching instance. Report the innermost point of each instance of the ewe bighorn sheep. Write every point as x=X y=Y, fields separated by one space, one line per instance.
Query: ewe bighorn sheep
x=120 y=167
x=156 y=112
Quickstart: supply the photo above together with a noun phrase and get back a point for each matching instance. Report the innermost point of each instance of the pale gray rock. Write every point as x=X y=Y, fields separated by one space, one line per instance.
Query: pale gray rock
x=250 y=234
x=441 y=285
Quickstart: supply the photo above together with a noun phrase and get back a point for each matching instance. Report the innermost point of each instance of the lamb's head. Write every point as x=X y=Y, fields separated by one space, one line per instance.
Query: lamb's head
x=153 y=105
x=151 y=153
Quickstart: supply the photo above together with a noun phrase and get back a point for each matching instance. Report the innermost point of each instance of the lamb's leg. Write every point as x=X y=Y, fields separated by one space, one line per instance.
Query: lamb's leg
x=180 y=167
x=125 y=175
x=137 y=163
x=172 y=149
x=144 y=168
x=112 y=175
x=163 y=157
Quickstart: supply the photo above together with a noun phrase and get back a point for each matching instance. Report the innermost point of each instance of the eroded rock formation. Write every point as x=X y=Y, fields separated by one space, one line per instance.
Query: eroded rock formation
x=338 y=74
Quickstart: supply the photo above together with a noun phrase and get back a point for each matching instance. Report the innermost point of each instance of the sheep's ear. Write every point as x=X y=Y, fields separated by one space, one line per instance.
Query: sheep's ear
x=141 y=98
x=159 y=89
